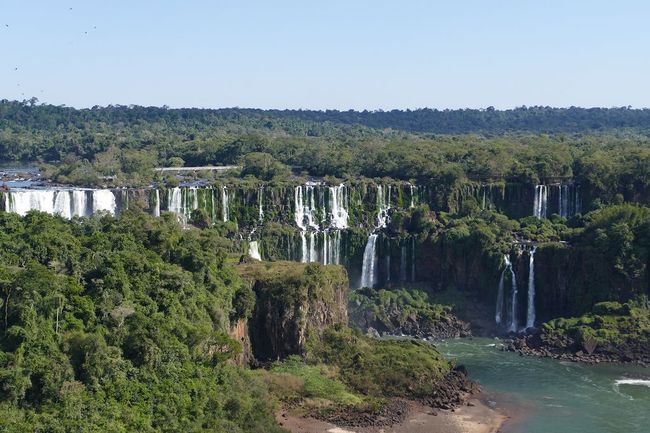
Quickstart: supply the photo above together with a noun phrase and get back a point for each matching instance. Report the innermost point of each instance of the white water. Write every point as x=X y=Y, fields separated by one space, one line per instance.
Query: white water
x=563 y=200
x=156 y=205
x=225 y=209
x=368 y=277
x=638 y=382
x=182 y=201
x=79 y=203
x=541 y=200
x=104 y=201
x=305 y=212
x=260 y=200
x=254 y=250
x=501 y=295
x=413 y=190
x=338 y=201
x=66 y=203
x=513 y=301
x=304 y=249
x=501 y=290
x=383 y=206
x=369 y=260
x=63 y=204
x=530 y=312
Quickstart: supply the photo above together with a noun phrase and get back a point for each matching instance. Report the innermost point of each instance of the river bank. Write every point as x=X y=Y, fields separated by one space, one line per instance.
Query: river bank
x=476 y=417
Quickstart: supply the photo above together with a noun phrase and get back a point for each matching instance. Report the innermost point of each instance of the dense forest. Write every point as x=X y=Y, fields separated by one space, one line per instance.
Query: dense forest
x=123 y=144
x=151 y=313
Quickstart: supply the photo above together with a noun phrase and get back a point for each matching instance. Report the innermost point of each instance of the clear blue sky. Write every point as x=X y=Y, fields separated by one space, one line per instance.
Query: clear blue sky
x=365 y=54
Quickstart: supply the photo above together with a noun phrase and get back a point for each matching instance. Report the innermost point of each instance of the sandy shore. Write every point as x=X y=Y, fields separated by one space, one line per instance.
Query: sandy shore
x=475 y=418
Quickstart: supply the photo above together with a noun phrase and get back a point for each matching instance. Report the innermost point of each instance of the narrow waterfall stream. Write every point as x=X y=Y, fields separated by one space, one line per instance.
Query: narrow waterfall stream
x=369 y=260
x=541 y=201
x=254 y=250
x=368 y=274
x=530 y=316
x=499 y=317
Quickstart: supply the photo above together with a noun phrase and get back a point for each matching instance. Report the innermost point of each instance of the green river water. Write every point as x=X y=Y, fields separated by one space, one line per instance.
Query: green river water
x=549 y=396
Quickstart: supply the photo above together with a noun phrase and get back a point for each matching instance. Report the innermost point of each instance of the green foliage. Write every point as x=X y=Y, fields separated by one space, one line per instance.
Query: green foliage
x=609 y=324
x=384 y=303
x=315 y=382
x=121 y=325
x=397 y=368
x=263 y=166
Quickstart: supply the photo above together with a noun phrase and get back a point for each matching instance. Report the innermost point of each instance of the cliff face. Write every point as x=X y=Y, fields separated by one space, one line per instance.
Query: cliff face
x=294 y=302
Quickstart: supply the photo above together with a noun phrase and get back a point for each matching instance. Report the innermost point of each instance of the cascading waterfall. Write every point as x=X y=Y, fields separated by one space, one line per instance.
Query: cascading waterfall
x=254 y=250
x=225 y=210
x=368 y=277
x=104 y=201
x=563 y=200
x=63 y=204
x=156 y=204
x=304 y=250
x=338 y=202
x=541 y=199
x=501 y=294
x=305 y=207
x=530 y=312
x=383 y=206
x=413 y=190
x=21 y=202
x=79 y=203
x=500 y=291
x=66 y=203
x=369 y=260
x=513 y=301
x=260 y=198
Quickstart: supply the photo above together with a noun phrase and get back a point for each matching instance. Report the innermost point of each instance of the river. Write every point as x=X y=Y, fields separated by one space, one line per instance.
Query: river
x=549 y=396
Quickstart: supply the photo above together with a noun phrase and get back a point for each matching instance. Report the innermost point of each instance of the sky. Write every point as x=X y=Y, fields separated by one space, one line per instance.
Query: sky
x=328 y=54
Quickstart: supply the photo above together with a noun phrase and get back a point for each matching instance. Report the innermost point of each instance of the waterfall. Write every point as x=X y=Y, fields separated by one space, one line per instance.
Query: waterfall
x=63 y=204
x=175 y=200
x=383 y=206
x=305 y=207
x=563 y=201
x=79 y=203
x=156 y=205
x=260 y=198
x=104 y=201
x=334 y=248
x=304 y=251
x=530 y=317
x=313 y=256
x=413 y=190
x=501 y=294
x=338 y=207
x=541 y=197
x=254 y=250
x=23 y=201
x=500 y=290
x=66 y=203
x=325 y=254
x=225 y=210
x=513 y=302
x=369 y=259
